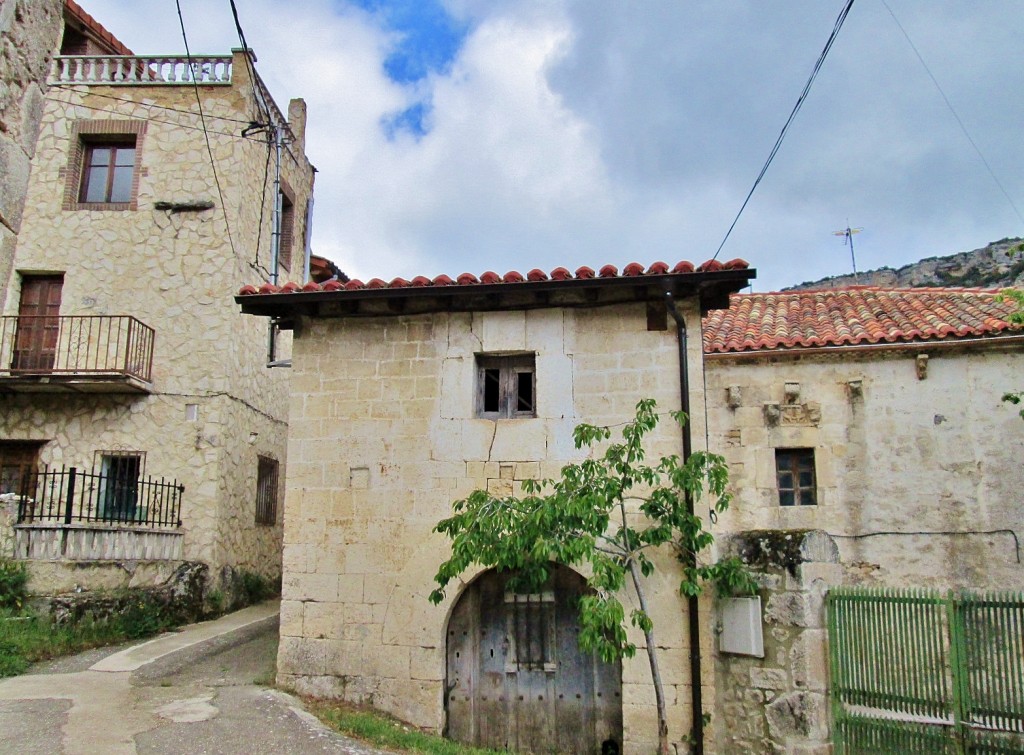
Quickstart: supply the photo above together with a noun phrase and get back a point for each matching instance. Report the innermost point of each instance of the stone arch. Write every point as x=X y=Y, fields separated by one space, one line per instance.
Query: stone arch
x=516 y=678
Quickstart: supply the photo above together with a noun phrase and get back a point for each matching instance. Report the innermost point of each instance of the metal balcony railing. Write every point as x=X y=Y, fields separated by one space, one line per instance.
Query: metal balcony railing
x=76 y=345
x=72 y=496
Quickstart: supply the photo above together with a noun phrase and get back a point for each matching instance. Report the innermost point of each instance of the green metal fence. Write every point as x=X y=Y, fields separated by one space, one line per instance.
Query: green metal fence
x=919 y=671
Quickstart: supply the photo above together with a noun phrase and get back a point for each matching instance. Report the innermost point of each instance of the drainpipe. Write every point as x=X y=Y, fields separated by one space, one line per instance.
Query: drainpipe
x=690 y=559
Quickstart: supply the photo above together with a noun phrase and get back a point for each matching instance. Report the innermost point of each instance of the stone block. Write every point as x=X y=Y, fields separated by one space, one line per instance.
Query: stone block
x=14 y=167
x=797 y=714
x=501 y=331
x=291 y=618
x=809 y=660
x=302 y=656
x=427 y=664
x=769 y=678
x=789 y=609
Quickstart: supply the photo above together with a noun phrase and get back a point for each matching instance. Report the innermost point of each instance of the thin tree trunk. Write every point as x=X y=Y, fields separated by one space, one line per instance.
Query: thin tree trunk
x=659 y=691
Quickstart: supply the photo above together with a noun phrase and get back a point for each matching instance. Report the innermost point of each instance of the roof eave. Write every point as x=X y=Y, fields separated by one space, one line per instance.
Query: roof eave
x=712 y=288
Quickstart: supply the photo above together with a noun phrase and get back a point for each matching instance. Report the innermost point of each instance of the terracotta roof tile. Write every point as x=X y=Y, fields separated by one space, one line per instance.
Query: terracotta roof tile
x=513 y=277
x=855 y=315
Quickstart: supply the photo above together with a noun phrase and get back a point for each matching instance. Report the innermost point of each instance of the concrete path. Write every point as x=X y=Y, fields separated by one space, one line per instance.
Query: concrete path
x=192 y=691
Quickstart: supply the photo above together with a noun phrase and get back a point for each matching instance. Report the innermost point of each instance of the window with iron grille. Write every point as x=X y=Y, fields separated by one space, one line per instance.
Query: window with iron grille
x=506 y=386
x=118 y=490
x=266 y=491
x=794 y=469
x=530 y=628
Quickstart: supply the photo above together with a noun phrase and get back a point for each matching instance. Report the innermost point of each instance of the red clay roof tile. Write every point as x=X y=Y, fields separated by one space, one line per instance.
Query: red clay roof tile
x=633 y=269
x=855 y=315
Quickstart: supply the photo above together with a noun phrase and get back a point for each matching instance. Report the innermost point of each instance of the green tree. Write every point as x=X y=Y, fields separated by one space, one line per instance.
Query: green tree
x=606 y=513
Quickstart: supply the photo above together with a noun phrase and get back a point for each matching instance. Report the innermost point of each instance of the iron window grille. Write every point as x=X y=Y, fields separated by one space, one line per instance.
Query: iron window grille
x=530 y=628
x=266 y=490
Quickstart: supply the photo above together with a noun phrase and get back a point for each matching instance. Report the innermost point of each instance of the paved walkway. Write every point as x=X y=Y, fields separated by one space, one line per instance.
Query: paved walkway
x=191 y=691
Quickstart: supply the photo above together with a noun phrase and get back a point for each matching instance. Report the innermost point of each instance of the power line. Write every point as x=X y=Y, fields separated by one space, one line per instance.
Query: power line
x=796 y=108
x=97 y=108
x=152 y=105
x=261 y=106
x=953 y=111
x=202 y=121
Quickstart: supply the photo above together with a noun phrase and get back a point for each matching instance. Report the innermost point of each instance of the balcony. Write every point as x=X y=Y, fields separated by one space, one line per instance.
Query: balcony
x=78 y=515
x=123 y=70
x=76 y=353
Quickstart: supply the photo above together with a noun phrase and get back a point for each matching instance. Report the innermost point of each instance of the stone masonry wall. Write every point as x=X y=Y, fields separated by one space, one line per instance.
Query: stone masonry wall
x=383 y=439
x=778 y=704
x=28 y=35
x=176 y=272
x=903 y=446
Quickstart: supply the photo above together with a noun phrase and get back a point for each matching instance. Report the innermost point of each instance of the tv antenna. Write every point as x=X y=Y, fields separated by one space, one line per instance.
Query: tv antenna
x=847 y=234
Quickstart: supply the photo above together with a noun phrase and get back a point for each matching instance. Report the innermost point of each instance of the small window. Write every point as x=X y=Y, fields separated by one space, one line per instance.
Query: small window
x=286 y=242
x=530 y=627
x=119 y=485
x=794 y=469
x=104 y=165
x=108 y=171
x=506 y=386
x=266 y=491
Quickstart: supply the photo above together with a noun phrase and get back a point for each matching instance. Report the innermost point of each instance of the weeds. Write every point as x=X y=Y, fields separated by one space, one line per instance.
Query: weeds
x=13 y=584
x=383 y=731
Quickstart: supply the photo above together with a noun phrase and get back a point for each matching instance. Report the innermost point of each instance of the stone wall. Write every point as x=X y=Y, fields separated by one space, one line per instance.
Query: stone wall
x=214 y=405
x=383 y=439
x=778 y=703
x=29 y=30
x=917 y=459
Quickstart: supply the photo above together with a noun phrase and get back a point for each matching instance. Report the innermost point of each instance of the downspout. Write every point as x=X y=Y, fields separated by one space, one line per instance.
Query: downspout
x=690 y=559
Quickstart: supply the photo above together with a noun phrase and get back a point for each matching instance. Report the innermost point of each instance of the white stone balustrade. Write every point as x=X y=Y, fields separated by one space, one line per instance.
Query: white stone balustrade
x=124 y=70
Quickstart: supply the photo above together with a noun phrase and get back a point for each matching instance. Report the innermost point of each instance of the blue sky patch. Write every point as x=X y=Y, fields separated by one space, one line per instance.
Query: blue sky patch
x=430 y=39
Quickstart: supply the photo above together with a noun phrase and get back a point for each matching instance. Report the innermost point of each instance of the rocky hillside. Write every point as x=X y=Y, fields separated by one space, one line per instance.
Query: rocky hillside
x=991 y=266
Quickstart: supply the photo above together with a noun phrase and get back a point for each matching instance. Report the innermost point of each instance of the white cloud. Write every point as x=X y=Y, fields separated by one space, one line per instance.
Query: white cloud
x=574 y=132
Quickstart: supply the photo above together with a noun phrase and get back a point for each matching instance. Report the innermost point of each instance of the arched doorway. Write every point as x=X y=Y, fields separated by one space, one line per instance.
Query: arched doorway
x=517 y=678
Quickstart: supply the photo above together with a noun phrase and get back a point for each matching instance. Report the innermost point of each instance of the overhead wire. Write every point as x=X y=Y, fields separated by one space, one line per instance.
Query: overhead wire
x=952 y=110
x=796 y=108
x=267 y=119
x=202 y=121
x=150 y=105
x=232 y=134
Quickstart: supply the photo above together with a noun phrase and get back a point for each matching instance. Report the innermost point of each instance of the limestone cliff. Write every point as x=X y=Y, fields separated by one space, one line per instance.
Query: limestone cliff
x=991 y=266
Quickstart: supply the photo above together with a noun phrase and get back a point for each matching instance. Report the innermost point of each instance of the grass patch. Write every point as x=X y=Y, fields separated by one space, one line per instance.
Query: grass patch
x=26 y=639
x=380 y=730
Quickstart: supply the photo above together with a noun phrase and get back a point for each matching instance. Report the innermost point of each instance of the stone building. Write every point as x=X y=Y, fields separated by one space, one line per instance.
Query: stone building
x=864 y=431
x=411 y=394
x=867 y=446
x=29 y=31
x=120 y=356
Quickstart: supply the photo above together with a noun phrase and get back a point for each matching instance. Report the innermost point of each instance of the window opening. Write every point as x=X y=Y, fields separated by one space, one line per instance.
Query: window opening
x=119 y=486
x=796 y=476
x=506 y=386
x=107 y=172
x=266 y=490
x=530 y=624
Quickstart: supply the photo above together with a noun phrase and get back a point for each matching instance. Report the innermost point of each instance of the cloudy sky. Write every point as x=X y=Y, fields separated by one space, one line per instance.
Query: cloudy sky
x=472 y=135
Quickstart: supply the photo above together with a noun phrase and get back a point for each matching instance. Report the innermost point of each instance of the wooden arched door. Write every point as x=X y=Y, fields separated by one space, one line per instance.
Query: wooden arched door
x=517 y=678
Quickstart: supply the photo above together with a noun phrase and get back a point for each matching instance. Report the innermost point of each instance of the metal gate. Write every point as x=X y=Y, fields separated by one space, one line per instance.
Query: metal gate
x=918 y=671
x=517 y=679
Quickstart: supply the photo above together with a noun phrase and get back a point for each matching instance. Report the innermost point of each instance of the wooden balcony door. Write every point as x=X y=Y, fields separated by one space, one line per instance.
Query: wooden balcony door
x=35 y=346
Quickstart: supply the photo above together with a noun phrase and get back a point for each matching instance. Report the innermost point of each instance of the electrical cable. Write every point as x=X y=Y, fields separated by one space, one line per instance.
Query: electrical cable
x=263 y=201
x=949 y=533
x=796 y=108
x=151 y=105
x=202 y=121
x=232 y=134
x=949 y=105
x=261 y=106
